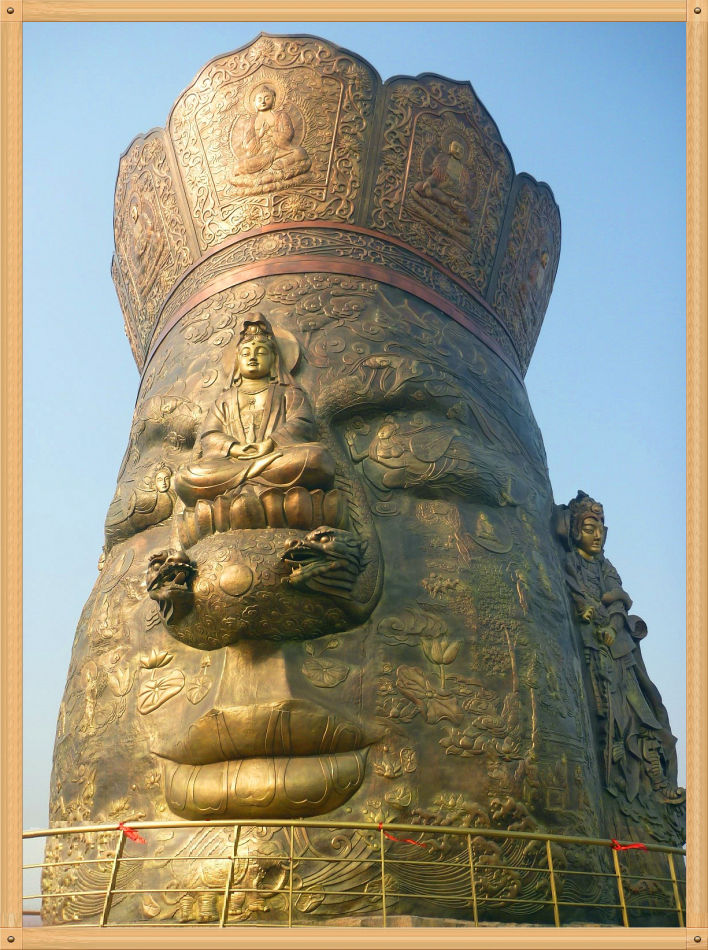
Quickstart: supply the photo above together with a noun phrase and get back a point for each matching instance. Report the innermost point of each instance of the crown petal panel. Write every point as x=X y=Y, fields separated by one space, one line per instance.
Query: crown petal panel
x=153 y=235
x=528 y=264
x=410 y=176
x=301 y=158
x=445 y=175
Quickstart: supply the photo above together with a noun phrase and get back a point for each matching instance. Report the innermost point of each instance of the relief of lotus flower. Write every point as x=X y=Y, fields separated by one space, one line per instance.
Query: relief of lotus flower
x=156 y=659
x=440 y=650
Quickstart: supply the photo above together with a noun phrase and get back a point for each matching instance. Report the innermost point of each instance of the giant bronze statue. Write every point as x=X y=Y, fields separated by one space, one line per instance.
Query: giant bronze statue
x=335 y=586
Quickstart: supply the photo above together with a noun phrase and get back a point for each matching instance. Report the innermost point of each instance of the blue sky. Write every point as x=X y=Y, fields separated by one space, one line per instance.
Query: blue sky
x=596 y=110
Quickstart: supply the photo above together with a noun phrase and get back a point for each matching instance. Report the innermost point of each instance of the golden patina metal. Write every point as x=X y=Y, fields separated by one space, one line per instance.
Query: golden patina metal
x=470 y=878
x=334 y=580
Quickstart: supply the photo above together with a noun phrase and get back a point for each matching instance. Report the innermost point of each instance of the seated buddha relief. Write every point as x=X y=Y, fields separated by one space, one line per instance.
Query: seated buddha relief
x=264 y=147
x=261 y=429
x=445 y=196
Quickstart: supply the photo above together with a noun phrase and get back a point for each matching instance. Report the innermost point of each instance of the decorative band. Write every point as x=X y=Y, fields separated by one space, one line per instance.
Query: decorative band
x=219 y=279
x=347 y=249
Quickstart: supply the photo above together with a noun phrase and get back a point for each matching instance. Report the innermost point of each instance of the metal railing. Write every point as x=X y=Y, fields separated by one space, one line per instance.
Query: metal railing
x=469 y=873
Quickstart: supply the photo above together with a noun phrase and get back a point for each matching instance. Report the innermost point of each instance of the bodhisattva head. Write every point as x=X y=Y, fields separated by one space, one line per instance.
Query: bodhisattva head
x=591 y=534
x=256 y=358
x=587 y=525
x=162 y=478
x=257 y=355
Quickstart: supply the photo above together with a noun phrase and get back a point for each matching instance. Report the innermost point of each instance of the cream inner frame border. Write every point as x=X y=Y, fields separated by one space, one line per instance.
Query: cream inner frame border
x=12 y=15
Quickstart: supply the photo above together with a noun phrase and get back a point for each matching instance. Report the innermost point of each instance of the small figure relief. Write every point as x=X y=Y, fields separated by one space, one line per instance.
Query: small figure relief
x=134 y=509
x=581 y=786
x=418 y=452
x=491 y=536
x=555 y=782
x=531 y=288
x=146 y=243
x=638 y=747
x=163 y=425
x=266 y=144
x=544 y=582
x=445 y=196
x=454 y=540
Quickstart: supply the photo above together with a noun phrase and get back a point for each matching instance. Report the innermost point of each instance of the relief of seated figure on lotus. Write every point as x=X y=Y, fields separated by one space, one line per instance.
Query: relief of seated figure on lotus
x=260 y=431
x=260 y=519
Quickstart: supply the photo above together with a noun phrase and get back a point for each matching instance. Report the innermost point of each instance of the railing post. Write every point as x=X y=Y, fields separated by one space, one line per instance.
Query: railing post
x=383 y=874
x=620 y=888
x=552 y=877
x=290 y=883
x=472 y=882
x=113 y=878
x=677 y=896
x=230 y=878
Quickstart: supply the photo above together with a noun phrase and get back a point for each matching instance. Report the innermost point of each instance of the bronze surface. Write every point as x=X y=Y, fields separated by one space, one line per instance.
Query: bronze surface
x=334 y=580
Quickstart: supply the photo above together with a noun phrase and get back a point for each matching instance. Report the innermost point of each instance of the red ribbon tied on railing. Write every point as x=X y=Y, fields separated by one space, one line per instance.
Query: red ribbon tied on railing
x=616 y=846
x=131 y=833
x=405 y=840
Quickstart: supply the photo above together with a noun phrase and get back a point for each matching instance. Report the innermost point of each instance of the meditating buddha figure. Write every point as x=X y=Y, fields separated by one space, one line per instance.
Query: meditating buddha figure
x=263 y=146
x=448 y=191
x=260 y=430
